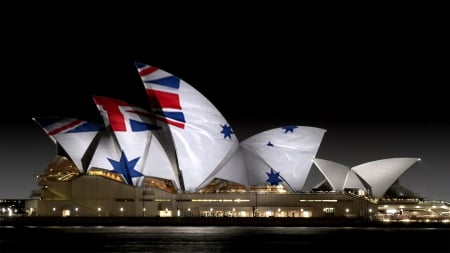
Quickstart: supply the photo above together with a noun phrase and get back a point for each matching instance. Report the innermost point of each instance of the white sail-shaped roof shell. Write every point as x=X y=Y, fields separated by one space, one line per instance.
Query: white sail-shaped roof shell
x=202 y=139
x=288 y=151
x=334 y=173
x=232 y=170
x=338 y=175
x=352 y=181
x=133 y=129
x=158 y=164
x=381 y=174
x=73 y=135
x=107 y=149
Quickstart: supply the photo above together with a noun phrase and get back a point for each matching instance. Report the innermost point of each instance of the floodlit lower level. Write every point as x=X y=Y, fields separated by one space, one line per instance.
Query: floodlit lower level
x=92 y=195
x=99 y=196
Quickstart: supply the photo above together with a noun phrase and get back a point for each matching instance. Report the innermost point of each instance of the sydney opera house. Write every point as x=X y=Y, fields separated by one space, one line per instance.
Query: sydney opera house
x=180 y=157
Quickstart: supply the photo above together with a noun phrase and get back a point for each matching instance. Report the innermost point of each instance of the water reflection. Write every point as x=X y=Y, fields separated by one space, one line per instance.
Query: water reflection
x=222 y=239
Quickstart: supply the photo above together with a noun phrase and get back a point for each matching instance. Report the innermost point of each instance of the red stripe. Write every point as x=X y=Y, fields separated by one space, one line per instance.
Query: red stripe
x=147 y=71
x=171 y=122
x=161 y=99
x=63 y=128
x=115 y=116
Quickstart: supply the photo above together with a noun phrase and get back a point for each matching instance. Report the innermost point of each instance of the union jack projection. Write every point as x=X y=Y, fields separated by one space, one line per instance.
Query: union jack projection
x=162 y=89
x=132 y=129
x=183 y=138
x=203 y=140
x=73 y=135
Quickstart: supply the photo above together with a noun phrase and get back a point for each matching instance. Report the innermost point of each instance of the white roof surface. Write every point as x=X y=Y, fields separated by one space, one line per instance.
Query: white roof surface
x=381 y=174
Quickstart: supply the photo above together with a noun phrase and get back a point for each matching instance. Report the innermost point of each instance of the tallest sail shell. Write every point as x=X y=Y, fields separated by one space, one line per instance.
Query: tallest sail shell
x=203 y=140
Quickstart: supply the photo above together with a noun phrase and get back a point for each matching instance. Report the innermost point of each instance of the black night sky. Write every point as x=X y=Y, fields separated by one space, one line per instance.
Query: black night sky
x=375 y=81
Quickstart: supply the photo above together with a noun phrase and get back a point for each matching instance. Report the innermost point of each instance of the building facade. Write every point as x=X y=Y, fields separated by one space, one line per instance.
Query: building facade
x=180 y=157
x=99 y=196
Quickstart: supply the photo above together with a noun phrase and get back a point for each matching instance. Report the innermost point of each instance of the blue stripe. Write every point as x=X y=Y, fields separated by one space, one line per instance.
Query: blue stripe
x=138 y=126
x=86 y=127
x=170 y=81
x=178 y=116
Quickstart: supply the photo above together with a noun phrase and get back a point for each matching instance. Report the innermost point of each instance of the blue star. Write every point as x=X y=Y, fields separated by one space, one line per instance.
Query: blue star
x=274 y=177
x=226 y=131
x=125 y=167
x=270 y=144
x=289 y=129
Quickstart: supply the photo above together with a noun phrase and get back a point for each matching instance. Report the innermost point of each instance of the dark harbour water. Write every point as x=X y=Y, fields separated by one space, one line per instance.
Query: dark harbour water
x=222 y=239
